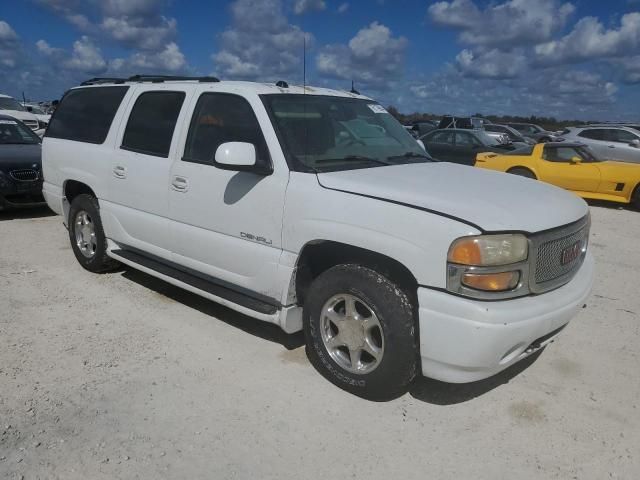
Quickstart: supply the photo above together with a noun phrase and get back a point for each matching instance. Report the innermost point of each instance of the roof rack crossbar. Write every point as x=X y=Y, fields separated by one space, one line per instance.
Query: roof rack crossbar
x=98 y=80
x=169 y=78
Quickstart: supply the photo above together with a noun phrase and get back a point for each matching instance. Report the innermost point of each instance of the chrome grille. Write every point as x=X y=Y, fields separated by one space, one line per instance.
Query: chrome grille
x=32 y=124
x=549 y=248
x=25 y=175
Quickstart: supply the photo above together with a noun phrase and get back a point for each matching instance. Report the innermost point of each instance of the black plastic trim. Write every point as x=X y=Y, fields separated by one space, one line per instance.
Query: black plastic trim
x=233 y=293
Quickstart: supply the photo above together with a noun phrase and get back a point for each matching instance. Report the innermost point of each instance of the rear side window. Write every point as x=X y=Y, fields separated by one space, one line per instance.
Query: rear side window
x=85 y=114
x=621 y=136
x=219 y=118
x=594 y=134
x=152 y=122
x=441 y=137
x=465 y=139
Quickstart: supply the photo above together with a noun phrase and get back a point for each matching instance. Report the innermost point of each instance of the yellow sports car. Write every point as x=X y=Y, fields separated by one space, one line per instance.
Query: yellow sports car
x=571 y=166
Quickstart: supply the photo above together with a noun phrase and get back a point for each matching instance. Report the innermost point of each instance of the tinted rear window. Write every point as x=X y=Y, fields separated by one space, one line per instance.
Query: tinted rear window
x=85 y=114
x=152 y=122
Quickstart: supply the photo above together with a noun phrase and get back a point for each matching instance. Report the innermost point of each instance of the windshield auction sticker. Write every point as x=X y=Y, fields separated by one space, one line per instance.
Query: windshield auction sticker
x=7 y=122
x=375 y=108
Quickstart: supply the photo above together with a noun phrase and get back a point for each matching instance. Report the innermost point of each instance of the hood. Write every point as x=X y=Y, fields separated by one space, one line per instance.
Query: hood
x=20 y=156
x=22 y=116
x=493 y=201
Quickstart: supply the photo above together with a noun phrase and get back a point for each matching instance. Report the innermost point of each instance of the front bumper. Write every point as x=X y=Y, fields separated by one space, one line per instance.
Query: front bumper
x=14 y=194
x=464 y=340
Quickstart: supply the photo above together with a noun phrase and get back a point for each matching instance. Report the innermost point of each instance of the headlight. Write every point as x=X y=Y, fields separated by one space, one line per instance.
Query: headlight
x=489 y=250
x=485 y=265
x=42 y=124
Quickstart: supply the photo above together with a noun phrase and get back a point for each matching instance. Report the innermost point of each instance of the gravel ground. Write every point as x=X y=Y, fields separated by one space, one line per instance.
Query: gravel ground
x=123 y=376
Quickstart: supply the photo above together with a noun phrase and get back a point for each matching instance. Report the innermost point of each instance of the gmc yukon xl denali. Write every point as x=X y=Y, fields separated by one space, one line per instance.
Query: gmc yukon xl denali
x=315 y=210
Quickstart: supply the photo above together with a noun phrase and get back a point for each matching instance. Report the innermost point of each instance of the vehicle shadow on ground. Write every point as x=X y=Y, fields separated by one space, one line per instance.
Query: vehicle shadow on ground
x=26 y=214
x=611 y=205
x=264 y=330
x=441 y=393
x=423 y=389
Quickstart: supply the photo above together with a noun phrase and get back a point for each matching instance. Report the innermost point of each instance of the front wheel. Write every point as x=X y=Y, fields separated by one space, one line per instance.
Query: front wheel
x=360 y=331
x=88 y=241
x=635 y=198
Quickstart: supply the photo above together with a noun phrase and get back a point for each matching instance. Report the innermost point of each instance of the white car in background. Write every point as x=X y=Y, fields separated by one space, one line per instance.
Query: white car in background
x=10 y=106
x=42 y=116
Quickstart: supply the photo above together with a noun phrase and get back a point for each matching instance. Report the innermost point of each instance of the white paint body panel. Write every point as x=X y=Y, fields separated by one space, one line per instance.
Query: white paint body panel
x=248 y=230
x=493 y=200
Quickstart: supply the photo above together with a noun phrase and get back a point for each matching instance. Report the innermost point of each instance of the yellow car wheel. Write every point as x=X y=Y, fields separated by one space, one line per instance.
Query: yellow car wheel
x=635 y=198
x=523 y=172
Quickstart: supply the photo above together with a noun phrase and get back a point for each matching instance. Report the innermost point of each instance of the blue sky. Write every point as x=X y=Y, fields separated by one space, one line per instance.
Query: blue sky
x=577 y=59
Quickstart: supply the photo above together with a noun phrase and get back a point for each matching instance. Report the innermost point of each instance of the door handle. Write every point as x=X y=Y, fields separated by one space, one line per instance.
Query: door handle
x=120 y=172
x=180 y=184
x=611 y=146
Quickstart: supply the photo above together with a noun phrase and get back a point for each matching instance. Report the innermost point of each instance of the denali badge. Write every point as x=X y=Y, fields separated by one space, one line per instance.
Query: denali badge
x=569 y=254
x=255 y=238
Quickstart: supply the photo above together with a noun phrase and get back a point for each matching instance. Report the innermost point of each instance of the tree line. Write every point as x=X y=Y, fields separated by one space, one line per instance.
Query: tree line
x=549 y=123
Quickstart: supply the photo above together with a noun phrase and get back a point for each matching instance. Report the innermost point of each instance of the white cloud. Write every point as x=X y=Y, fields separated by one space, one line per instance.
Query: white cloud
x=304 y=6
x=136 y=33
x=171 y=58
x=86 y=57
x=9 y=46
x=260 y=43
x=343 y=7
x=589 y=39
x=137 y=25
x=509 y=23
x=373 y=57
x=493 y=63
x=47 y=50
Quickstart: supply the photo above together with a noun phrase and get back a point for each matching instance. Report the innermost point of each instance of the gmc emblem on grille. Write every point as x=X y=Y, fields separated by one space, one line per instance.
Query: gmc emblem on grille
x=569 y=254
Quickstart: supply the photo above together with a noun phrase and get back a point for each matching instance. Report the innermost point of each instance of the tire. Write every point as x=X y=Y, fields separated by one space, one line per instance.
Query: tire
x=523 y=172
x=86 y=235
x=635 y=198
x=391 y=319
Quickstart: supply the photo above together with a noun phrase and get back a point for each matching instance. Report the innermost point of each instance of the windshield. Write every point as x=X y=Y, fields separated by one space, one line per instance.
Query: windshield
x=13 y=132
x=324 y=133
x=8 y=103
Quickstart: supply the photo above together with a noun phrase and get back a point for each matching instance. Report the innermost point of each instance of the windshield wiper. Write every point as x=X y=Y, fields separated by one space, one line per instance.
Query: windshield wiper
x=408 y=155
x=360 y=158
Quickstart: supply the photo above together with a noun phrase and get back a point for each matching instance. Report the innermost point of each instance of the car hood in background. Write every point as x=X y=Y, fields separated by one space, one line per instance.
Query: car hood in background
x=494 y=201
x=20 y=115
x=20 y=156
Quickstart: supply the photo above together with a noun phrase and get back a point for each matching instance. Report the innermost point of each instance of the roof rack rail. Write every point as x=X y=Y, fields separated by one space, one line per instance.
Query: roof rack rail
x=99 y=80
x=169 y=78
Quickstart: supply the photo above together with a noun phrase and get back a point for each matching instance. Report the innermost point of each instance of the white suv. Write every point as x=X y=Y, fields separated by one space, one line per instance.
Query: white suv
x=315 y=210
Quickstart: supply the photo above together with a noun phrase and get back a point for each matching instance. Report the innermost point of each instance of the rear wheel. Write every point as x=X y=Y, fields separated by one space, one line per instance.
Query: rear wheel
x=523 y=172
x=361 y=332
x=88 y=241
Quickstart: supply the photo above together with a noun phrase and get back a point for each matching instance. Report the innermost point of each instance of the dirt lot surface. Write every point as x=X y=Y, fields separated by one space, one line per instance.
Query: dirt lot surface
x=123 y=376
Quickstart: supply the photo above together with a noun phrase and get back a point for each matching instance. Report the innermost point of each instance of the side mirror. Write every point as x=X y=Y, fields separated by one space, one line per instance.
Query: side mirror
x=635 y=143
x=240 y=157
x=421 y=143
x=576 y=160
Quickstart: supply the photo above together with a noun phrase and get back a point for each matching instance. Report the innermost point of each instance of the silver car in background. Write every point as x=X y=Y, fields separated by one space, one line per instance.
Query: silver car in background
x=608 y=142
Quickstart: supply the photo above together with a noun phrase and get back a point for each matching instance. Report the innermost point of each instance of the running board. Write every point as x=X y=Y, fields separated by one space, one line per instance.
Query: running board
x=208 y=286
